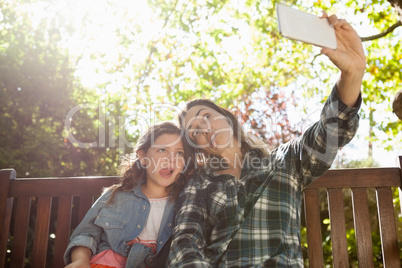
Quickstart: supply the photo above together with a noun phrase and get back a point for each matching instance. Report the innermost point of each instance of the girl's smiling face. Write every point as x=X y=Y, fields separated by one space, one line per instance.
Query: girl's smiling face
x=208 y=130
x=163 y=161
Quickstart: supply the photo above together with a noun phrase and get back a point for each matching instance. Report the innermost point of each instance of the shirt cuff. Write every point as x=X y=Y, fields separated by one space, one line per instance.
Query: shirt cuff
x=79 y=241
x=340 y=108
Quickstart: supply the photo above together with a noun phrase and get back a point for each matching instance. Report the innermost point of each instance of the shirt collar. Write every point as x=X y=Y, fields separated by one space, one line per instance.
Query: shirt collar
x=137 y=190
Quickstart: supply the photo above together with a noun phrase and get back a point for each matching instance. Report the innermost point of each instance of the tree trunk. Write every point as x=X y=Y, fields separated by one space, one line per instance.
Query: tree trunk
x=397 y=4
x=371 y=133
x=397 y=104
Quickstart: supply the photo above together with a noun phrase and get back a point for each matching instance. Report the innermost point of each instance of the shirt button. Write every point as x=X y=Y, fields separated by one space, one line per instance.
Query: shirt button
x=107 y=224
x=169 y=224
x=144 y=207
x=138 y=226
x=160 y=242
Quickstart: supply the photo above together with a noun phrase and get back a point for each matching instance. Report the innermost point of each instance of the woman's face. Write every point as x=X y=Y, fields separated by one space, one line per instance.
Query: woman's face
x=208 y=130
x=163 y=161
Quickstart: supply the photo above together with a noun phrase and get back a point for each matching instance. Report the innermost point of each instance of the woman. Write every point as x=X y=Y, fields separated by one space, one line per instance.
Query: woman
x=243 y=209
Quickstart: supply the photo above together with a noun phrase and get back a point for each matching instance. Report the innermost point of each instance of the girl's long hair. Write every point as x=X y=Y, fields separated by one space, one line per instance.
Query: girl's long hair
x=132 y=173
x=247 y=141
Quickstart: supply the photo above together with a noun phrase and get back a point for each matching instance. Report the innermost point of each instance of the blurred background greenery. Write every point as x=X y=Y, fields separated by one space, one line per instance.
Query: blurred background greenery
x=102 y=71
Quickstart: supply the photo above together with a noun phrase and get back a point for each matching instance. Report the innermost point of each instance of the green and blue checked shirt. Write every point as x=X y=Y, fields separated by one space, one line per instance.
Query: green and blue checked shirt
x=254 y=221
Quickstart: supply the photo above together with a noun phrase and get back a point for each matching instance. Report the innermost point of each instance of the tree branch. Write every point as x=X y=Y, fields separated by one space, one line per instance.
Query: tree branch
x=377 y=36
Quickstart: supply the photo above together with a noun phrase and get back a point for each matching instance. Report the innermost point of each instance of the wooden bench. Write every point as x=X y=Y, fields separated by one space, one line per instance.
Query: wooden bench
x=334 y=182
x=64 y=200
x=59 y=204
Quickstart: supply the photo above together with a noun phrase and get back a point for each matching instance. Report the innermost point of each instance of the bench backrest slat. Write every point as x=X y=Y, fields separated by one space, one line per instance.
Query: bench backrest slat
x=63 y=228
x=314 y=234
x=41 y=231
x=361 y=218
x=85 y=203
x=6 y=206
x=21 y=223
x=338 y=230
x=386 y=218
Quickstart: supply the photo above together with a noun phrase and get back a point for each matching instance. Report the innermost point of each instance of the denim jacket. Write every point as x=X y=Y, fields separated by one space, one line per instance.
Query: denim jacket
x=113 y=226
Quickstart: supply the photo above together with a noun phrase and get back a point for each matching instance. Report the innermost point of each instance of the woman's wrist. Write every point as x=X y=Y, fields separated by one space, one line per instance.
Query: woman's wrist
x=349 y=86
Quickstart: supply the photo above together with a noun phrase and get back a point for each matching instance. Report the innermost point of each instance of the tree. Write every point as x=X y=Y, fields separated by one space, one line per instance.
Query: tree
x=37 y=89
x=223 y=51
x=383 y=79
x=397 y=4
x=197 y=61
x=397 y=103
x=231 y=52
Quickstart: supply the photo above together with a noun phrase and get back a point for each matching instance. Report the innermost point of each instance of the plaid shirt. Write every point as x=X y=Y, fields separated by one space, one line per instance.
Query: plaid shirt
x=255 y=220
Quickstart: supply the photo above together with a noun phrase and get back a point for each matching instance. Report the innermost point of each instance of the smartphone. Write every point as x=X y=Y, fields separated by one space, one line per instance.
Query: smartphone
x=302 y=26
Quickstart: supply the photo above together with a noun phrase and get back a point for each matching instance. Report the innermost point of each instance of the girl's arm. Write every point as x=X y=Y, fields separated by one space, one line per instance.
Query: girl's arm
x=80 y=257
x=87 y=234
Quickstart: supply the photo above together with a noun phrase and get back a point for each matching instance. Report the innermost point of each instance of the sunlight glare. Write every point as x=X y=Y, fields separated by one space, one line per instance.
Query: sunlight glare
x=92 y=39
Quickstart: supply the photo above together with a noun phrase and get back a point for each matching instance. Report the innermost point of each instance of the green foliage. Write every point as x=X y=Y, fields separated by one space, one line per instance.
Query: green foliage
x=38 y=89
x=227 y=51
x=383 y=73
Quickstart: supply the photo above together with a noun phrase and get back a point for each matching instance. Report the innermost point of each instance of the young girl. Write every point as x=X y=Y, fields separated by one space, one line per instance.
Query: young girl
x=131 y=223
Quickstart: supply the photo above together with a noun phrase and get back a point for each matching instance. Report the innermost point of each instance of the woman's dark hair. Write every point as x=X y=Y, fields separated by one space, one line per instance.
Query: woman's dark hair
x=247 y=141
x=132 y=172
